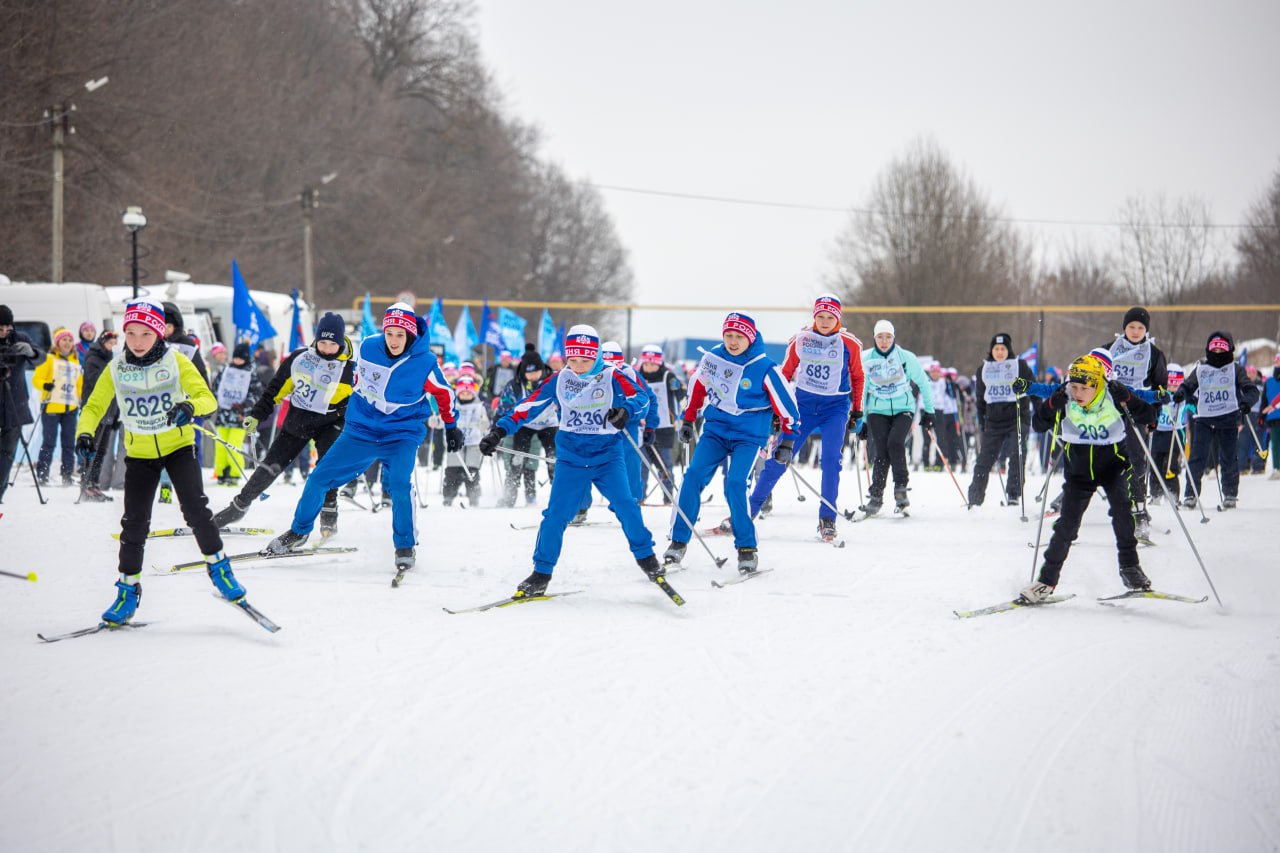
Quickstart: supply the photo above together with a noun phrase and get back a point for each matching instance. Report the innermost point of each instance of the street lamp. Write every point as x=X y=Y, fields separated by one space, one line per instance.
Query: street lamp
x=135 y=222
x=310 y=199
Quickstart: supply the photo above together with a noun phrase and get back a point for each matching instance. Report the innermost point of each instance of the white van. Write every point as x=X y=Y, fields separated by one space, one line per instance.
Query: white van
x=40 y=308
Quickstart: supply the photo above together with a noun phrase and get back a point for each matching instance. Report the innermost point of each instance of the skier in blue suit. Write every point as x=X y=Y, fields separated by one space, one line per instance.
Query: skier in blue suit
x=595 y=402
x=386 y=421
x=743 y=390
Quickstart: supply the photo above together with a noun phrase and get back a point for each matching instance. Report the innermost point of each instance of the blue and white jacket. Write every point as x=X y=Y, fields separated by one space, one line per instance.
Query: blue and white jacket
x=392 y=395
x=742 y=393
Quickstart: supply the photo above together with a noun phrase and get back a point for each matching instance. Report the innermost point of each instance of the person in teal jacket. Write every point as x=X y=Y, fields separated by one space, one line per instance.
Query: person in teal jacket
x=893 y=378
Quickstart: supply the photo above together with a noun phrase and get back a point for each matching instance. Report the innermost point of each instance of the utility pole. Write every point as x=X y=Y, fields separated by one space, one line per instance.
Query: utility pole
x=310 y=201
x=59 y=118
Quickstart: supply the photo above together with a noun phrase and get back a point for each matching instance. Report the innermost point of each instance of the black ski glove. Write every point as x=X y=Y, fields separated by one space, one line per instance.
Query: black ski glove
x=1162 y=397
x=686 y=432
x=1119 y=392
x=650 y=435
x=1020 y=385
x=84 y=446
x=854 y=417
x=1058 y=400
x=48 y=386
x=181 y=414
x=1180 y=395
x=452 y=438
x=926 y=420
x=491 y=440
x=782 y=453
x=617 y=417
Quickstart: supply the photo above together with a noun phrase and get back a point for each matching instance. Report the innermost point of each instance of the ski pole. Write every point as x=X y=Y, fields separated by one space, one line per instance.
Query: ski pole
x=1248 y=421
x=857 y=475
x=29 y=576
x=1044 y=502
x=1176 y=513
x=231 y=450
x=795 y=476
x=947 y=464
x=1017 y=455
x=847 y=514
x=1182 y=448
x=719 y=561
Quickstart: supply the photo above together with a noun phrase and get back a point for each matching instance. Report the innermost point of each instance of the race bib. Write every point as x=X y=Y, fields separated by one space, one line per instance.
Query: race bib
x=471 y=421
x=998 y=377
x=886 y=377
x=315 y=382
x=1167 y=417
x=820 y=370
x=584 y=401
x=146 y=394
x=1217 y=391
x=1130 y=362
x=659 y=389
x=373 y=382
x=65 y=374
x=233 y=386
x=723 y=379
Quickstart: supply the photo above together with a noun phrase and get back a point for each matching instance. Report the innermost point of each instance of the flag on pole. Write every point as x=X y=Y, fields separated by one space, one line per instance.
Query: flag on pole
x=546 y=335
x=490 y=332
x=251 y=324
x=464 y=335
x=368 y=326
x=1031 y=356
x=512 y=326
x=1243 y=360
x=559 y=347
x=438 y=332
x=297 y=336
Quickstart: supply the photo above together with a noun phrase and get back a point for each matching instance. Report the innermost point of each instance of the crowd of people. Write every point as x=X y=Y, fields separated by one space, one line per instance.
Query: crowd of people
x=129 y=412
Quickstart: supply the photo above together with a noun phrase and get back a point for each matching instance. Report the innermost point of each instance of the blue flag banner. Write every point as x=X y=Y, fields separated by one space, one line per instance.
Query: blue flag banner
x=438 y=330
x=297 y=337
x=559 y=347
x=512 y=326
x=368 y=326
x=1243 y=360
x=1032 y=356
x=251 y=324
x=546 y=335
x=464 y=335
x=490 y=332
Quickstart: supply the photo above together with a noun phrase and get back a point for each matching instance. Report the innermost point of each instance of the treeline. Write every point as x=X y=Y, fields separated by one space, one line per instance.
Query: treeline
x=219 y=113
x=927 y=235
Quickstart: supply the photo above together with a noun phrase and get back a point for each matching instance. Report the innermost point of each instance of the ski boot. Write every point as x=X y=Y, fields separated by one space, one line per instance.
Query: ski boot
x=580 y=518
x=223 y=580
x=873 y=504
x=748 y=561
x=166 y=494
x=1157 y=498
x=900 y=500
x=1142 y=525
x=328 y=522
x=406 y=558
x=1229 y=502
x=385 y=500
x=348 y=491
x=766 y=508
x=96 y=495
x=827 y=529
x=674 y=555
x=1134 y=578
x=128 y=597
x=1055 y=505
x=1035 y=593
x=233 y=513
x=532 y=586
x=649 y=565
x=285 y=542
x=725 y=526
x=68 y=480
x=1189 y=502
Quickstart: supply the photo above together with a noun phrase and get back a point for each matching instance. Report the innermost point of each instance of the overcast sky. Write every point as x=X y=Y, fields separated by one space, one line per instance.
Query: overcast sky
x=1058 y=111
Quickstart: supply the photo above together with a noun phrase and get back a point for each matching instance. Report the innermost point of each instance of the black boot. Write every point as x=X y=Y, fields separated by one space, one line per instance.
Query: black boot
x=1134 y=578
x=649 y=565
x=534 y=585
x=674 y=554
x=900 y=497
x=233 y=513
x=405 y=559
x=328 y=521
x=873 y=504
x=748 y=560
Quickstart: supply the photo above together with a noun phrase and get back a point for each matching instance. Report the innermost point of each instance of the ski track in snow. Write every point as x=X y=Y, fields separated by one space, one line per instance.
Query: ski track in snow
x=835 y=704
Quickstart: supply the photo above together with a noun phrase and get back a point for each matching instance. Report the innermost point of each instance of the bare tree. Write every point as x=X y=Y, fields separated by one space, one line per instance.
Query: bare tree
x=1258 y=245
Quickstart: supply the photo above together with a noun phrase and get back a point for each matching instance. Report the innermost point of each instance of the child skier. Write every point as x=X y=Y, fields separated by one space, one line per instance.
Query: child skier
x=890 y=406
x=668 y=390
x=742 y=391
x=235 y=387
x=1002 y=408
x=641 y=429
x=464 y=466
x=159 y=393
x=1086 y=416
x=58 y=379
x=1221 y=393
x=385 y=421
x=824 y=362
x=316 y=380
x=1164 y=450
x=594 y=402
x=530 y=373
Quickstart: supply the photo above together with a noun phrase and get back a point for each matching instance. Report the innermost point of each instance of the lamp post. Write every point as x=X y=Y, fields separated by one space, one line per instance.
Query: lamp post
x=135 y=222
x=310 y=199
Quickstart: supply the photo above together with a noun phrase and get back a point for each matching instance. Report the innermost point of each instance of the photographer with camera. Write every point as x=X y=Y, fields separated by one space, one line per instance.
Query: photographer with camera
x=17 y=355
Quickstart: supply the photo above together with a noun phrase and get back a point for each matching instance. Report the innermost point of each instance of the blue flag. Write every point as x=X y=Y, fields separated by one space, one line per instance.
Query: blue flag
x=490 y=332
x=368 y=326
x=559 y=347
x=1031 y=356
x=1243 y=360
x=512 y=326
x=251 y=324
x=464 y=335
x=546 y=335
x=438 y=330
x=297 y=337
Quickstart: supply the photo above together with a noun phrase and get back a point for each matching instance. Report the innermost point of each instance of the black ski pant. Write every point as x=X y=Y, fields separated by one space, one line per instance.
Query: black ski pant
x=660 y=459
x=888 y=439
x=8 y=452
x=1226 y=430
x=280 y=454
x=1112 y=475
x=141 y=478
x=944 y=427
x=102 y=439
x=522 y=442
x=454 y=478
x=993 y=443
x=1166 y=454
x=1134 y=440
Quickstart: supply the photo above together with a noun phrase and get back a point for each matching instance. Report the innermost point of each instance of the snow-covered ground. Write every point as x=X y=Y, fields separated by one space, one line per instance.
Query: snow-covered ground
x=835 y=704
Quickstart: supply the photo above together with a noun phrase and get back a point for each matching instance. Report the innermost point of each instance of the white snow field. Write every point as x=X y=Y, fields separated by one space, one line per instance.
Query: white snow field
x=834 y=704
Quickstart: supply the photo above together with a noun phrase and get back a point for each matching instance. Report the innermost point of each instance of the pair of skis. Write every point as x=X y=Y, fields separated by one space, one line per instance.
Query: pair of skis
x=1054 y=599
x=174 y=532
x=660 y=581
x=240 y=604
x=255 y=555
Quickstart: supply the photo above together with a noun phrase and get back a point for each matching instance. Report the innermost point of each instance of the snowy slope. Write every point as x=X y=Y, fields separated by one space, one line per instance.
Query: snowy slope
x=836 y=704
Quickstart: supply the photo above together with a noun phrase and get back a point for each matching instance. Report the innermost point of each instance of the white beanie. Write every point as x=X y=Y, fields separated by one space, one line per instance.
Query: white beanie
x=883 y=326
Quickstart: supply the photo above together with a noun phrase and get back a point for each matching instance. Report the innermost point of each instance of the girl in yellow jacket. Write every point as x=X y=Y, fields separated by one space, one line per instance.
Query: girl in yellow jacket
x=159 y=392
x=58 y=379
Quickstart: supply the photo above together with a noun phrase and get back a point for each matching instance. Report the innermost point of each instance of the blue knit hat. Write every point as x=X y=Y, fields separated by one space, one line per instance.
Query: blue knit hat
x=330 y=328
